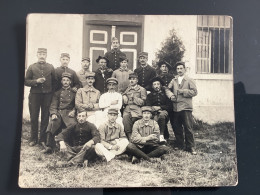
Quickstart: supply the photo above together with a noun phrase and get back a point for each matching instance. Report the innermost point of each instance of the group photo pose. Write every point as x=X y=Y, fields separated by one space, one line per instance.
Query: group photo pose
x=129 y=103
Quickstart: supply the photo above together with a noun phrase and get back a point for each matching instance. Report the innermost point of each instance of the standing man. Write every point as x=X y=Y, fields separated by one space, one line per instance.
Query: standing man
x=133 y=98
x=184 y=89
x=114 y=54
x=75 y=83
x=78 y=141
x=145 y=138
x=102 y=74
x=87 y=98
x=85 y=62
x=62 y=111
x=113 y=139
x=122 y=74
x=157 y=100
x=40 y=76
x=145 y=72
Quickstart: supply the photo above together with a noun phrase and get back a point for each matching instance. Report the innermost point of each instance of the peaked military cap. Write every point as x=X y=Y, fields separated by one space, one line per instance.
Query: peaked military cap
x=122 y=58
x=65 y=55
x=133 y=75
x=90 y=74
x=66 y=74
x=112 y=80
x=146 y=108
x=114 y=39
x=142 y=53
x=112 y=111
x=86 y=58
x=42 y=50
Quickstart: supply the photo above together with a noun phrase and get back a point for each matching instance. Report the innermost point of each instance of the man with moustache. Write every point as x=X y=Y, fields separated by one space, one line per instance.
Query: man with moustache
x=85 y=62
x=78 y=142
x=114 y=55
x=145 y=138
x=87 y=98
x=184 y=89
x=75 y=83
x=113 y=138
x=157 y=100
x=102 y=74
x=133 y=98
x=40 y=76
x=62 y=111
x=145 y=72
x=110 y=99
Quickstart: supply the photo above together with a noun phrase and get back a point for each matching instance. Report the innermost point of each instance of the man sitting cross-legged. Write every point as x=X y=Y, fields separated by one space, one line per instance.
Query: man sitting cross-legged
x=113 y=138
x=145 y=138
x=78 y=141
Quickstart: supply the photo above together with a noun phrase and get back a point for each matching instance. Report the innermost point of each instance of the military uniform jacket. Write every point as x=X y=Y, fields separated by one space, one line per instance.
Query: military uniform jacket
x=85 y=96
x=63 y=102
x=167 y=78
x=100 y=79
x=183 y=93
x=82 y=77
x=157 y=99
x=136 y=98
x=74 y=79
x=113 y=57
x=79 y=134
x=145 y=75
x=39 y=70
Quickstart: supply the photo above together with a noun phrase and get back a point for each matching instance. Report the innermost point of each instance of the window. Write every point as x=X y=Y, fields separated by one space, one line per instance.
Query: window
x=214 y=44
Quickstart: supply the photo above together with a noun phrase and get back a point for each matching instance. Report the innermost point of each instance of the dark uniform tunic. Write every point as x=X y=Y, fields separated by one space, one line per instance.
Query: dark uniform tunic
x=63 y=102
x=100 y=79
x=113 y=57
x=145 y=74
x=74 y=78
x=40 y=96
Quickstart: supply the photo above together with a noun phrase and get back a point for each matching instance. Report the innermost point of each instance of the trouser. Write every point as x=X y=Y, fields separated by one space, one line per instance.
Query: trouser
x=162 y=119
x=39 y=101
x=110 y=154
x=171 y=117
x=183 y=124
x=77 y=155
x=147 y=151
x=128 y=122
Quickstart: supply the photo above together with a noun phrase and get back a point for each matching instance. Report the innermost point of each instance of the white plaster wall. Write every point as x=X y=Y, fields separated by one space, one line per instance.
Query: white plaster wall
x=59 y=33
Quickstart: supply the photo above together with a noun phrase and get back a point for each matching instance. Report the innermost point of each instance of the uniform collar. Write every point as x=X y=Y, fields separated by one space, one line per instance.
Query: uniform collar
x=86 y=88
x=82 y=72
x=134 y=88
x=115 y=125
x=113 y=51
x=122 y=70
x=150 y=123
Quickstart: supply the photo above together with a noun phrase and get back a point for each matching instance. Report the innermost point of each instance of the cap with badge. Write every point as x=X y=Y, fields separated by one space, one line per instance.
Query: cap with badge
x=90 y=74
x=112 y=80
x=144 y=54
x=66 y=74
x=133 y=75
x=146 y=109
x=86 y=58
x=65 y=55
x=112 y=111
x=42 y=50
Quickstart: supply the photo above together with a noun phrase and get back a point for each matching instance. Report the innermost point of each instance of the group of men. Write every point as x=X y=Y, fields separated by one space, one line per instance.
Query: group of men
x=110 y=111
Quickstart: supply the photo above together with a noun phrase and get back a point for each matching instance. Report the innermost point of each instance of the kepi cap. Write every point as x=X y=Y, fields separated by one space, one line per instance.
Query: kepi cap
x=112 y=80
x=65 y=55
x=133 y=75
x=142 y=53
x=90 y=74
x=86 y=58
x=42 y=50
x=180 y=63
x=146 y=108
x=66 y=74
x=112 y=111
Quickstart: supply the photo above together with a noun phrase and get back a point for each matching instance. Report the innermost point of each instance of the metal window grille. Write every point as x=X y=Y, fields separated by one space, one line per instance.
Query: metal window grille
x=213 y=44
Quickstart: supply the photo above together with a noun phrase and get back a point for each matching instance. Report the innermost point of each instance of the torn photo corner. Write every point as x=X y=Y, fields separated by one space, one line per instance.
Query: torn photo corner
x=128 y=101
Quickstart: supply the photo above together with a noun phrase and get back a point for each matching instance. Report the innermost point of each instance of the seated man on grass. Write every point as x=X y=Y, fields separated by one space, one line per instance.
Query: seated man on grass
x=145 y=138
x=78 y=141
x=113 y=138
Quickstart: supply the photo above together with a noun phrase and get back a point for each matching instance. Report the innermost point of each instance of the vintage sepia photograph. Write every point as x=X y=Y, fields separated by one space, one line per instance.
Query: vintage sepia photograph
x=128 y=101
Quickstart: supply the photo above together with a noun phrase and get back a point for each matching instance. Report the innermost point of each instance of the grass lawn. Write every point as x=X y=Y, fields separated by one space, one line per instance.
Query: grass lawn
x=214 y=165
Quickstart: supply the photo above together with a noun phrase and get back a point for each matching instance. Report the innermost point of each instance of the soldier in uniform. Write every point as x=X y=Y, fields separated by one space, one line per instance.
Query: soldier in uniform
x=113 y=138
x=75 y=83
x=78 y=142
x=102 y=74
x=133 y=98
x=87 y=98
x=145 y=138
x=157 y=100
x=114 y=54
x=184 y=89
x=40 y=76
x=85 y=62
x=145 y=72
x=62 y=111
x=122 y=74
